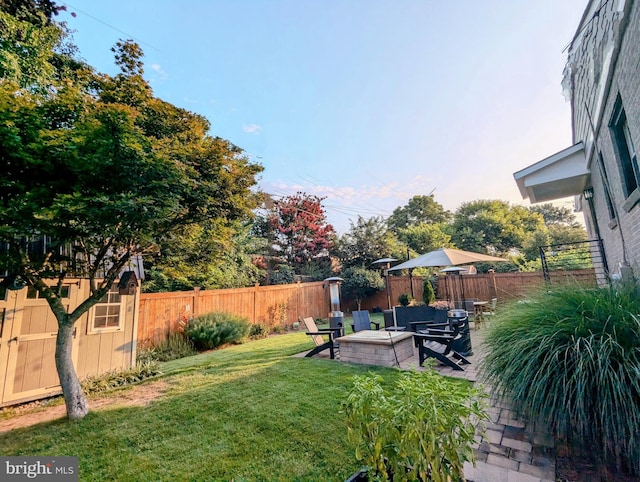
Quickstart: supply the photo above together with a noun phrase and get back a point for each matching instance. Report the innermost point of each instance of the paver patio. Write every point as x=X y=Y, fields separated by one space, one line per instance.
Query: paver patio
x=511 y=451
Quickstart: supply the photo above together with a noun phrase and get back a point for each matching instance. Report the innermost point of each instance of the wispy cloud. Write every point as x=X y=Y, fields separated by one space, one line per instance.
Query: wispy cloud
x=252 y=128
x=159 y=73
x=366 y=200
x=190 y=101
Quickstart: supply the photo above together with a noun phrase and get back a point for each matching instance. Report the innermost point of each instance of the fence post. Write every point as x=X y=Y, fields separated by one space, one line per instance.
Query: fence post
x=493 y=288
x=196 y=301
x=255 y=301
x=298 y=293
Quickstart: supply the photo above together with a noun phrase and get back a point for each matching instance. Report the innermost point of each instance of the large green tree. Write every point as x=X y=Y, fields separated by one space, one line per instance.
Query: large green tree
x=208 y=255
x=424 y=237
x=39 y=12
x=561 y=223
x=34 y=49
x=493 y=226
x=104 y=171
x=553 y=214
x=419 y=209
x=26 y=50
x=366 y=241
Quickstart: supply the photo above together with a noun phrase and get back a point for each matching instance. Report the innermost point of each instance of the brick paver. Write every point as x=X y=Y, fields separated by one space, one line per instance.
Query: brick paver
x=509 y=451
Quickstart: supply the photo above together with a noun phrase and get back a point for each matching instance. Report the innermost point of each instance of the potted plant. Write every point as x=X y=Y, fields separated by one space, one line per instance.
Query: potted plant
x=405 y=299
x=421 y=430
x=442 y=305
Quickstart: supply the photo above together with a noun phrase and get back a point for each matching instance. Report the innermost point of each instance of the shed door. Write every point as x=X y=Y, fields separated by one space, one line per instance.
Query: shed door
x=31 y=369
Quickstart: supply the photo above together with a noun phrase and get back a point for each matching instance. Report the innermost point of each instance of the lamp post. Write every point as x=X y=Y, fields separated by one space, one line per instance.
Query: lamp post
x=385 y=264
x=336 y=317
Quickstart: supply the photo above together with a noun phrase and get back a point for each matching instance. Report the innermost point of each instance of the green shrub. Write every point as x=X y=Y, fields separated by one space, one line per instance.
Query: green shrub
x=214 y=329
x=569 y=357
x=423 y=429
x=428 y=293
x=118 y=378
x=257 y=331
x=283 y=276
x=177 y=345
x=405 y=299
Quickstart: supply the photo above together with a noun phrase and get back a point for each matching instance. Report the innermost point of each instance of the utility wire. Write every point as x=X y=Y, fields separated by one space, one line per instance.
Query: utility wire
x=111 y=26
x=339 y=190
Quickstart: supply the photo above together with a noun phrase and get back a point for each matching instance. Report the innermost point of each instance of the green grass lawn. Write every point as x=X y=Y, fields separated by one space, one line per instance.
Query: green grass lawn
x=248 y=412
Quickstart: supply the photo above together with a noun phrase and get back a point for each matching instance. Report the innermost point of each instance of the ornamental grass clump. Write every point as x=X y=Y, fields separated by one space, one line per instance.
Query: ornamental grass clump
x=119 y=378
x=569 y=357
x=175 y=346
x=423 y=429
x=215 y=329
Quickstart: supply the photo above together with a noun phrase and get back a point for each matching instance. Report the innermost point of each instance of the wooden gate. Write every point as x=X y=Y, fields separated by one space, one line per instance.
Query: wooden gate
x=27 y=347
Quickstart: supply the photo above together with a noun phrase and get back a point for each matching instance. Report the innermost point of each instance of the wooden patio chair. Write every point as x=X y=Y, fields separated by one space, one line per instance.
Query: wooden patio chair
x=490 y=309
x=362 y=321
x=438 y=344
x=318 y=338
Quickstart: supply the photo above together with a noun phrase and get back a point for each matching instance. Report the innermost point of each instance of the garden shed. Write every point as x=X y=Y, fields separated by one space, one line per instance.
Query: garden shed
x=104 y=339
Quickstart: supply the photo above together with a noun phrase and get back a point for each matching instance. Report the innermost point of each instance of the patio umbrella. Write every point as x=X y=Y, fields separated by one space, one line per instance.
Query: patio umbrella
x=446 y=257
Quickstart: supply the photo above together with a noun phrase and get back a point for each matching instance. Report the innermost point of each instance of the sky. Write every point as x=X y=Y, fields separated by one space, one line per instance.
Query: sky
x=365 y=103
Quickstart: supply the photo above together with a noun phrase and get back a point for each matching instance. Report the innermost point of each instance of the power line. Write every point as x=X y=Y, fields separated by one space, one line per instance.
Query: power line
x=326 y=208
x=111 y=26
x=336 y=189
x=344 y=210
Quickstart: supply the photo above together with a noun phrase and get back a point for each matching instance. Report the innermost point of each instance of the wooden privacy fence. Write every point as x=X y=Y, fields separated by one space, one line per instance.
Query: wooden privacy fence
x=277 y=305
x=479 y=286
x=505 y=285
x=280 y=305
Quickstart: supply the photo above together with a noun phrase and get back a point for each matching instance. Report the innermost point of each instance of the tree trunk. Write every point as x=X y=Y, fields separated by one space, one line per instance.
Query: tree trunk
x=74 y=398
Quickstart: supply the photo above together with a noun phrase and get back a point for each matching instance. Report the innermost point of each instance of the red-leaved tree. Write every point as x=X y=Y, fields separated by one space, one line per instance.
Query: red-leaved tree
x=300 y=231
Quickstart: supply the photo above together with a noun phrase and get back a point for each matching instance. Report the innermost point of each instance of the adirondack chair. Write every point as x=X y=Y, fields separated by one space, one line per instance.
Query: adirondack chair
x=438 y=344
x=490 y=309
x=361 y=321
x=318 y=338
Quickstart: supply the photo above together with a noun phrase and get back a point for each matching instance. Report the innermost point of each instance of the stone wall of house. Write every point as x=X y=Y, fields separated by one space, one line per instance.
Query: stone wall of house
x=604 y=65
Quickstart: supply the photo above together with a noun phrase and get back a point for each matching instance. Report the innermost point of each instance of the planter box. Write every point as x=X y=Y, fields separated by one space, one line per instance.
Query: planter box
x=407 y=314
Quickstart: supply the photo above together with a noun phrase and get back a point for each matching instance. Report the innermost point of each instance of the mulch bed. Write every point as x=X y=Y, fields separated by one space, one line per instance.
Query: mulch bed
x=573 y=466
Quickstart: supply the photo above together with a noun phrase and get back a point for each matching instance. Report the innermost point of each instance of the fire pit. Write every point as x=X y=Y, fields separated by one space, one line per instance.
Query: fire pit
x=373 y=347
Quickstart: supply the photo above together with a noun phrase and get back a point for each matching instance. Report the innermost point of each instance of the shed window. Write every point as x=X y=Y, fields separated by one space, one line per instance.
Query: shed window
x=34 y=294
x=106 y=313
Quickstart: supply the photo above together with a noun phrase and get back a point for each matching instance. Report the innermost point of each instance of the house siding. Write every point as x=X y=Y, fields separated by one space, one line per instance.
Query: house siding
x=595 y=83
